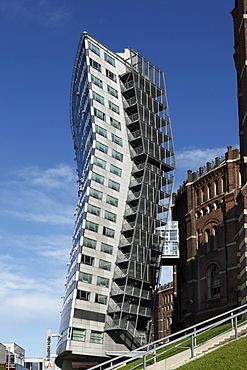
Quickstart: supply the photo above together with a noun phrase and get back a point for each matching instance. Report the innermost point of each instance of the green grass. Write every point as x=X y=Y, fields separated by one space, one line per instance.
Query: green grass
x=231 y=356
x=170 y=350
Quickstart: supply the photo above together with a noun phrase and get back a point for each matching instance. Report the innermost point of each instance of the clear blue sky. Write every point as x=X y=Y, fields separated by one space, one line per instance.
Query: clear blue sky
x=191 y=41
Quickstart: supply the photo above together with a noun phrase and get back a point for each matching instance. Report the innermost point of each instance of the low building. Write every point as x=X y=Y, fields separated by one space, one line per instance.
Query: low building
x=12 y=356
x=161 y=326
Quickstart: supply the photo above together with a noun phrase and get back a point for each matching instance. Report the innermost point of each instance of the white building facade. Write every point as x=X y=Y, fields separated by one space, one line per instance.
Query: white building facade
x=124 y=153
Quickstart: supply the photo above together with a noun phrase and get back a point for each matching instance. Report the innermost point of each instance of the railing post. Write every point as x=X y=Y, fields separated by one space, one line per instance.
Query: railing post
x=236 y=327
x=144 y=362
x=154 y=356
x=232 y=319
x=193 y=343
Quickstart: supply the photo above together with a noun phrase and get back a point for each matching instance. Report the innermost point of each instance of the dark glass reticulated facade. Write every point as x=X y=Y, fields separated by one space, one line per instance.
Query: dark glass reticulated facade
x=124 y=153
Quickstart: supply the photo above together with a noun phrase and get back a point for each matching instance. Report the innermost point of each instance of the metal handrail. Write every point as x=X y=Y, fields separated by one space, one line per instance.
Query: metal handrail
x=183 y=335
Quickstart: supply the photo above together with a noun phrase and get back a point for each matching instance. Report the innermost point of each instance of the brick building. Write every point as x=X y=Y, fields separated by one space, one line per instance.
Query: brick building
x=161 y=326
x=206 y=276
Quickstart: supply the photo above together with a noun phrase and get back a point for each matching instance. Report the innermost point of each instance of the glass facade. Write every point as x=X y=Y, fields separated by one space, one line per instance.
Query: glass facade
x=125 y=157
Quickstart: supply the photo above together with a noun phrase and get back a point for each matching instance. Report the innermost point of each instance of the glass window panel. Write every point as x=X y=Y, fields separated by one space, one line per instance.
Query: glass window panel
x=108 y=232
x=111 y=75
x=79 y=334
x=98 y=178
x=101 y=131
x=113 y=185
x=101 y=281
x=94 y=48
x=85 y=277
x=109 y=59
x=96 y=81
x=83 y=295
x=99 y=162
x=102 y=147
x=93 y=209
x=106 y=248
x=95 y=193
x=95 y=65
x=114 y=107
x=112 y=91
x=105 y=265
x=116 y=139
x=90 y=243
x=115 y=123
x=92 y=226
x=99 y=98
x=116 y=170
x=112 y=200
x=87 y=260
x=117 y=155
x=100 y=298
x=99 y=114
x=110 y=216
x=96 y=337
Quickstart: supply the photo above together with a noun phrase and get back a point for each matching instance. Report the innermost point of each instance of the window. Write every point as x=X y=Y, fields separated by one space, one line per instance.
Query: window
x=116 y=170
x=116 y=139
x=115 y=123
x=112 y=200
x=213 y=281
x=98 y=178
x=101 y=131
x=96 y=337
x=203 y=194
x=99 y=114
x=99 y=162
x=101 y=281
x=97 y=81
x=106 y=248
x=110 y=60
x=90 y=243
x=110 y=216
x=83 y=295
x=87 y=260
x=117 y=155
x=108 y=232
x=113 y=185
x=215 y=237
x=93 y=209
x=94 y=48
x=209 y=191
x=95 y=193
x=102 y=147
x=223 y=183
x=114 y=107
x=79 y=334
x=92 y=226
x=85 y=278
x=112 y=91
x=216 y=187
x=111 y=75
x=95 y=65
x=99 y=98
x=100 y=298
x=207 y=240
x=105 y=265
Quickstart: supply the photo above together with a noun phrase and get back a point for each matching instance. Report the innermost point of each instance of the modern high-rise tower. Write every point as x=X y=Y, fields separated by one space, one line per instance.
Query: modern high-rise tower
x=124 y=152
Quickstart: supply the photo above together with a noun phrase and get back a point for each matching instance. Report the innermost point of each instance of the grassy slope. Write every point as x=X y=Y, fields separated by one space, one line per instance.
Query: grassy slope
x=231 y=356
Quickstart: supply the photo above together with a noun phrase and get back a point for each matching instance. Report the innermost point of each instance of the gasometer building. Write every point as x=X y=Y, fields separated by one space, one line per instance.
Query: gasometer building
x=124 y=153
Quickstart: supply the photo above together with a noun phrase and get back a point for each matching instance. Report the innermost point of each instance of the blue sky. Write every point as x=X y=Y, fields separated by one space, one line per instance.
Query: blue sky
x=191 y=41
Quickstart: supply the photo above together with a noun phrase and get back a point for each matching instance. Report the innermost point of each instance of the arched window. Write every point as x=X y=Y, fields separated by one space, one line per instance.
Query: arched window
x=207 y=240
x=223 y=183
x=216 y=187
x=213 y=281
x=197 y=197
x=209 y=191
x=214 y=237
x=203 y=194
